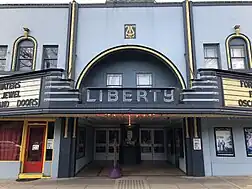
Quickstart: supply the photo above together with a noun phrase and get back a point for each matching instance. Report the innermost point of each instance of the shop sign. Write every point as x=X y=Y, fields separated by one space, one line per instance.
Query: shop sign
x=237 y=92
x=196 y=143
x=129 y=97
x=49 y=145
x=167 y=96
x=19 y=94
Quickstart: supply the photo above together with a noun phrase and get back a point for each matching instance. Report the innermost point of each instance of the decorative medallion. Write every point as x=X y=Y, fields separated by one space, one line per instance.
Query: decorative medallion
x=130 y=31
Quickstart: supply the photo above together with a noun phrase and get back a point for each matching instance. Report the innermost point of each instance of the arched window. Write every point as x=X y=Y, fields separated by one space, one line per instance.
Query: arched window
x=238 y=52
x=25 y=55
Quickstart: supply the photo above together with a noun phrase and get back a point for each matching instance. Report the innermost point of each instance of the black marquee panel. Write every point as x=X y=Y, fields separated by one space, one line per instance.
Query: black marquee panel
x=47 y=92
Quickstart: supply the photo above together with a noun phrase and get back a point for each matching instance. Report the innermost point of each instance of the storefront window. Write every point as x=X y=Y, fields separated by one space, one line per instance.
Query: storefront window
x=248 y=141
x=81 y=143
x=50 y=141
x=10 y=140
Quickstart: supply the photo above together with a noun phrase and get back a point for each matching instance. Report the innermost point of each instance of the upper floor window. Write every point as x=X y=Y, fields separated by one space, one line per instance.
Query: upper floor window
x=211 y=56
x=50 y=56
x=114 y=80
x=25 y=56
x=238 y=58
x=144 y=79
x=3 y=54
x=238 y=52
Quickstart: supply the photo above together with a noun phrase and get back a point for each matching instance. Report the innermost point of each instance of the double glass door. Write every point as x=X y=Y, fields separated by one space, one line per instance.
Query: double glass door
x=104 y=143
x=152 y=144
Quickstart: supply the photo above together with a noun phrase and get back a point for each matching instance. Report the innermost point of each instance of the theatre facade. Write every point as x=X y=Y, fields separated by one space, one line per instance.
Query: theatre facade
x=161 y=88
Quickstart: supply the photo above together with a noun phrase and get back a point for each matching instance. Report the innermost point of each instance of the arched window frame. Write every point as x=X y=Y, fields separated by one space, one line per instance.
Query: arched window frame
x=247 y=49
x=16 y=51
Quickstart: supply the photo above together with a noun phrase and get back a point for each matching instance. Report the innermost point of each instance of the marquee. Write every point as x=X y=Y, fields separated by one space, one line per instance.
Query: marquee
x=20 y=93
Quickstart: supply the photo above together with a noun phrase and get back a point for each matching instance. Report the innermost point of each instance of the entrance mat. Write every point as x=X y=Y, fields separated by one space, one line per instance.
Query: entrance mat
x=131 y=184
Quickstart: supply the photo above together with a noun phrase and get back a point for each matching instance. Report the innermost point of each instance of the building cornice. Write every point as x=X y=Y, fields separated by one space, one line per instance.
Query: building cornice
x=14 y=6
x=222 y=3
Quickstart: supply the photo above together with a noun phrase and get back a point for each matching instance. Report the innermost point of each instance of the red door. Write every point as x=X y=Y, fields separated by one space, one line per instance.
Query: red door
x=34 y=153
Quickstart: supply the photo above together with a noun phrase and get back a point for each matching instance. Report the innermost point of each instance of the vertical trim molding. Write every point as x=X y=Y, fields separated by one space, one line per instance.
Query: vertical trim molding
x=45 y=145
x=195 y=128
x=23 y=145
x=188 y=36
x=186 y=128
x=66 y=128
x=71 y=59
x=74 y=127
x=68 y=36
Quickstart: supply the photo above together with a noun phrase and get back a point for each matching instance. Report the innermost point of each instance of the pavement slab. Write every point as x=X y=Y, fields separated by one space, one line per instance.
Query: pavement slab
x=133 y=182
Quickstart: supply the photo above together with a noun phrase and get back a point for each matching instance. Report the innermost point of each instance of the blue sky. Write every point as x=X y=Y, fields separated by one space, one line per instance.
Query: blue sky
x=79 y=1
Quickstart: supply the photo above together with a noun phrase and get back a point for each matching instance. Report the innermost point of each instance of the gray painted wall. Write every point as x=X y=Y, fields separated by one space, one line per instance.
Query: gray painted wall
x=161 y=74
x=80 y=163
x=217 y=26
x=47 y=168
x=47 y=25
x=56 y=148
x=160 y=28
x=225 y=166
x=11 y=170
x=182 y=161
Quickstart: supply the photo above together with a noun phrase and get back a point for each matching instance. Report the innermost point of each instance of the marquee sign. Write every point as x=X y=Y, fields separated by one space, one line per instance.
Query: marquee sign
x=237 y=92
x=129 y=97
x=19 y=94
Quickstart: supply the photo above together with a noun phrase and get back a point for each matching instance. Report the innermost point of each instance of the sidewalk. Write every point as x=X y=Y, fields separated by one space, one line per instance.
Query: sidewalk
x=151 y=182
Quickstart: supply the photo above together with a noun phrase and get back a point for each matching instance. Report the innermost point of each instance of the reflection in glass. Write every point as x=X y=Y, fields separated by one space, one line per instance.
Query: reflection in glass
x=100 y=136
x=25 y=55
x=146 y=149
x=111 y=149
x=114 y=80
x=158 y=137
x=36 y=135
x=100 y=149
x=10 y=140
x=146 y=137
x=113 y=134
x=159 y=149
x=50 y=56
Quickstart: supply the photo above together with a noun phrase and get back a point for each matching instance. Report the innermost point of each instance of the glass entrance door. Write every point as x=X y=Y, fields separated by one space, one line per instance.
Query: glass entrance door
x=152 y=144
x=104 y=143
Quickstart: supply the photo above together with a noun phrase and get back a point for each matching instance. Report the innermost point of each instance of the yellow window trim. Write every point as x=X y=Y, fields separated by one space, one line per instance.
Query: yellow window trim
x=248 y=45
x=71 y=48
x=15 y=51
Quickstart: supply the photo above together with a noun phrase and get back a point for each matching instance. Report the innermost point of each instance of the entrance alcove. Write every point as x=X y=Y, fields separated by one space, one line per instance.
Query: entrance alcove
x=159 y=145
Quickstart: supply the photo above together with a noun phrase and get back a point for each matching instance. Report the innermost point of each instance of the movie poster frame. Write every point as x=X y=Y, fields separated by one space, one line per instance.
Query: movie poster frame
x=216 y=129
x=245 y=140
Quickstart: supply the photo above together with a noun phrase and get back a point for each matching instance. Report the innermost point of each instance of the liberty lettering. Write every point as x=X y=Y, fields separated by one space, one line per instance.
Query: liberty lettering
x=130 y=95
x=155 y=95
x=112 y=95
x=127 y=95
x=168 y=96
x=88 y=97
x=142 y=94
